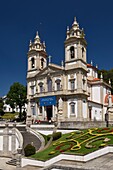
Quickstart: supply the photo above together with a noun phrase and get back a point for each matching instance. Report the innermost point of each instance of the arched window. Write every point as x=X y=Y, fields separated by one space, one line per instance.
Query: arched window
x=41 y=87
x=72 y=84
x=72 y=52
x=58 y=84
x=32 y=63
x=82 y=52
x=42 y=63
x=49 y=84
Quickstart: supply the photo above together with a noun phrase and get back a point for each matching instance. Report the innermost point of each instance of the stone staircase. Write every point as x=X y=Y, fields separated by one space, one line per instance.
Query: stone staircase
x=28 y=138
x=12 y=162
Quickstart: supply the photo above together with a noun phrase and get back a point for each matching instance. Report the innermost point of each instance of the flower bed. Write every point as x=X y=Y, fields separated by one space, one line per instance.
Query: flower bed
x=83 y=142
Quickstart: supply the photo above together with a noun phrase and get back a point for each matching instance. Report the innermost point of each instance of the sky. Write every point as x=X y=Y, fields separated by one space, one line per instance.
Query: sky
x=20 y=19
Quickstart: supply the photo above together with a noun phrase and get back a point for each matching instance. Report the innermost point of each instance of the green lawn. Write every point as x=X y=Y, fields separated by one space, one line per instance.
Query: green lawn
x=78 y=142
x=9 y=115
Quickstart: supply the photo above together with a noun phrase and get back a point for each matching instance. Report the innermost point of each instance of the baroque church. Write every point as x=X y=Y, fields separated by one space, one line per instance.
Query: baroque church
x=71 y=91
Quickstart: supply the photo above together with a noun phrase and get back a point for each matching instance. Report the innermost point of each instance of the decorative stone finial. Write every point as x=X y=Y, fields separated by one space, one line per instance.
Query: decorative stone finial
x=75 y=19
x=75 y=22
x=62 y=63
x=37 y=34
x=67 y=28
x=44 y=43
x=91 y=62
x=96 y=66
x=101 y=76
x=37 y=38
x=109 y=82
x=30 y=43
x=49 y=58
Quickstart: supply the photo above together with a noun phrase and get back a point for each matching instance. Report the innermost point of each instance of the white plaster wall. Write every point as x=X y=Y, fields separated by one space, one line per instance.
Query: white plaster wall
x=96 y=93
x=1 y=143
x=10 y=139
x=84 y=109
x=96 y=112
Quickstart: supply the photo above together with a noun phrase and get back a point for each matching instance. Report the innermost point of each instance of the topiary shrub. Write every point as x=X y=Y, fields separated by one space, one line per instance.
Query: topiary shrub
x=29 y=150
x=57 y=135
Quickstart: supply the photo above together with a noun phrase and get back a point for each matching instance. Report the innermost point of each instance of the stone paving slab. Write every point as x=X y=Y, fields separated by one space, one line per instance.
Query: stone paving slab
x=4 y=166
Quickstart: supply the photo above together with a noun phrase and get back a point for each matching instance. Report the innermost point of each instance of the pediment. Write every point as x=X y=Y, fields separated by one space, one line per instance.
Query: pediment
x=50 y=70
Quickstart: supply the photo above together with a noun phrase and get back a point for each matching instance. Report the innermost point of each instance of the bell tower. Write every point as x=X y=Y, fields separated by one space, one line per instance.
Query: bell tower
x=37 y=56
x=75 y=47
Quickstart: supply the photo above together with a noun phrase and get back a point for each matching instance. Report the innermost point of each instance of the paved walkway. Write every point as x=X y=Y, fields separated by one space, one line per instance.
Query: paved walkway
x=4 y=166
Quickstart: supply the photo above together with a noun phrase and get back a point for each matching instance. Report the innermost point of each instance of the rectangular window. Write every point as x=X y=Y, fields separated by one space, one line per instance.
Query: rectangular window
x=32 y=90
x=41 y=88
x=58 y=86
x=72 y=85
x=72 y=108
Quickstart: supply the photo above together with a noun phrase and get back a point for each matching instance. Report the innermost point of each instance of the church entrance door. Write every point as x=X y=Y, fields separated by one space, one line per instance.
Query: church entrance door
x=49 y=112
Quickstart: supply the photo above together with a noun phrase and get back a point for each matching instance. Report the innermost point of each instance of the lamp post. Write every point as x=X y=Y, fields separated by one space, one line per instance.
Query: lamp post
x=107 y=118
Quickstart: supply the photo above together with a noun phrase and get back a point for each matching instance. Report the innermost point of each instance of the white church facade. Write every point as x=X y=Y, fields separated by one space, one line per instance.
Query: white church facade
x=71 y=91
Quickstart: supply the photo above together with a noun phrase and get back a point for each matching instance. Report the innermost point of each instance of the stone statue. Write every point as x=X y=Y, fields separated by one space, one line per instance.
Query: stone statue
x=60 y=104
x=109 y=100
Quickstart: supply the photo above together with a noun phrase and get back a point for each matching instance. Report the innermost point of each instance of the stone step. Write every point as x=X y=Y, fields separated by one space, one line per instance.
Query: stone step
x=29 y=138
x=12 y=162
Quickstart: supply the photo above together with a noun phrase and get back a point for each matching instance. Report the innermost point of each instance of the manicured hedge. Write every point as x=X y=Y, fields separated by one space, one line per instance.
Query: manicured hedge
x=29 y=150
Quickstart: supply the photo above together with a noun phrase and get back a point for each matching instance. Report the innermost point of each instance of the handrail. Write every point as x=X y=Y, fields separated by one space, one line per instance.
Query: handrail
x=19 y=137
x=40 y=137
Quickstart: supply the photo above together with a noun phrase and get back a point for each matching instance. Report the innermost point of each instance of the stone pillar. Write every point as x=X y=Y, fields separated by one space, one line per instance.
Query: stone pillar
x=29 y=115
x=6 y=140
x=29 y=64
x=36 y=109
x=43 y=112
x=79 y=110
x=18 y=161
x=53 y=111
x=79 y=51
x=13 y=143
x=79 y=81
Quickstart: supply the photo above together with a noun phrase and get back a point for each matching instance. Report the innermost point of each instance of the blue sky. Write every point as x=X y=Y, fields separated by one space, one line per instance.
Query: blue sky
x=20 y=19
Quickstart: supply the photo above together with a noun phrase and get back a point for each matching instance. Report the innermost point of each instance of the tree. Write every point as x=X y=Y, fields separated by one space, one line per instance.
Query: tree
x=1 y=107
x=17 y=96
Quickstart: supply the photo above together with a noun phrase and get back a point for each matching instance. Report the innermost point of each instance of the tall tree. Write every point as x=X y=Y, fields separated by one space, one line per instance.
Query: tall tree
x=1 y=107
x=17 y=96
